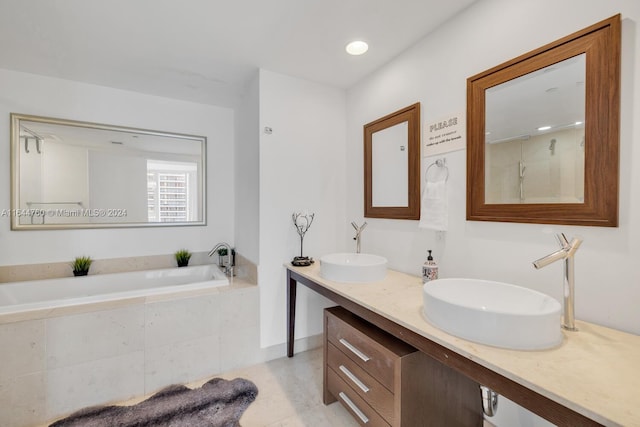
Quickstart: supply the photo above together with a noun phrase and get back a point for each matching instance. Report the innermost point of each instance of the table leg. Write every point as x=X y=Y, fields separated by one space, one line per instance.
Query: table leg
x=291 y=312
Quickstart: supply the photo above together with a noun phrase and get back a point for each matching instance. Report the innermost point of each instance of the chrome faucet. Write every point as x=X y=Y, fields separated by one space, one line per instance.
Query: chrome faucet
x=566 y=252
x=358 y=232
x=228 y=268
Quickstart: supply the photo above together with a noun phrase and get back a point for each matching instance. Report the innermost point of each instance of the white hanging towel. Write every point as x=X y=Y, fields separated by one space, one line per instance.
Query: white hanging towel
x=434 y=211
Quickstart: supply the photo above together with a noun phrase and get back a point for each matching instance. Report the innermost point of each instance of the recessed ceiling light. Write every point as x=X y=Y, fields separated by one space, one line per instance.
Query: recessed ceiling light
x=544 y=128
x=578 y=123
x=357 y=47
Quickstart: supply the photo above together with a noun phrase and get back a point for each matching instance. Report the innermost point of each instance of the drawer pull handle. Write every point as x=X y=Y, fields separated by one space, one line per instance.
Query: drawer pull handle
x=355 y=379
x=354 y=408
x=354 y=350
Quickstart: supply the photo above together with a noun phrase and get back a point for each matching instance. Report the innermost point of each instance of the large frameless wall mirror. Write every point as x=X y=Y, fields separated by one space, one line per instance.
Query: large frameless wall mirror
x=392 y=165
x=543 y=133
x=69 y=174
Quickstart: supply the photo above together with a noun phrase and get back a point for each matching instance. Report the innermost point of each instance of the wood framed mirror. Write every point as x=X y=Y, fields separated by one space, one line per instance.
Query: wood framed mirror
x=543 y=133
x=392 y=165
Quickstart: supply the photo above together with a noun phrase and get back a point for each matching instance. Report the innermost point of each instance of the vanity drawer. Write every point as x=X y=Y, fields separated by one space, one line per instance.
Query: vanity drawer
x=362 y=412
x=407 y=388
x=372 y=349
x=366 y=386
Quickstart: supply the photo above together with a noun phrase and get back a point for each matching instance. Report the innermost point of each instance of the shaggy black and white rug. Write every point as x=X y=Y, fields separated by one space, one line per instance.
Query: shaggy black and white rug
x=218 y=403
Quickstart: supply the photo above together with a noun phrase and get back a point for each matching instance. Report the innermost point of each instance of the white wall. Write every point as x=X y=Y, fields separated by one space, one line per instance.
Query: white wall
x=126 y=190
x=302 y=167
x=43 y=96
x=64 y=173
x=434 y=72
x=247 y=174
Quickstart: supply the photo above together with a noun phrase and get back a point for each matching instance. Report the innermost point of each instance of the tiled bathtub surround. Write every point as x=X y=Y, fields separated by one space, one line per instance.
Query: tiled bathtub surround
x=52 y=366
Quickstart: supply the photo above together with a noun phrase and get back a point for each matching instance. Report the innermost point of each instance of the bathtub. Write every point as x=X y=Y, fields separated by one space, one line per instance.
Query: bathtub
x=82 y=341
x=20 y=297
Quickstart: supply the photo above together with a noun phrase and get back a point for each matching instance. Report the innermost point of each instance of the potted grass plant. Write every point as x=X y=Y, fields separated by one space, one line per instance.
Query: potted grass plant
x=222 y=252
x=182 y=257
x=81 y=265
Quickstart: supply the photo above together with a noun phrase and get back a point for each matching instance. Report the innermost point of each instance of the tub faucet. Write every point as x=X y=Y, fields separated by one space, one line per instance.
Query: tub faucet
x=566 y=252
x=358 y=232
x=228 y=268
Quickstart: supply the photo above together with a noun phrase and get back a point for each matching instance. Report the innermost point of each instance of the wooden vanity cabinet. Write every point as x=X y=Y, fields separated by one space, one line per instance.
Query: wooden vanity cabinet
x=382 y=381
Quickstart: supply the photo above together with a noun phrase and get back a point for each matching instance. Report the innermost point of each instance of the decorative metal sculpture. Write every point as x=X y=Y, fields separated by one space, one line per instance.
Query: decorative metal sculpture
x=302 y=222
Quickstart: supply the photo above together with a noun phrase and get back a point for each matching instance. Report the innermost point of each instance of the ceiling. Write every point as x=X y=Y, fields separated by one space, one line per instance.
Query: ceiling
x=552 y=96
x=207 y=50
x=109 y=138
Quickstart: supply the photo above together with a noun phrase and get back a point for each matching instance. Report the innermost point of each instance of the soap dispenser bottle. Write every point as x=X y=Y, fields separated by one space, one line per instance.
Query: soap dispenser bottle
x=429 y=269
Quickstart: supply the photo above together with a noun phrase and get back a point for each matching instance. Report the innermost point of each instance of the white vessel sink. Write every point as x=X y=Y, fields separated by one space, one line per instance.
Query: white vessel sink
x=353 y=267
x=493 y=313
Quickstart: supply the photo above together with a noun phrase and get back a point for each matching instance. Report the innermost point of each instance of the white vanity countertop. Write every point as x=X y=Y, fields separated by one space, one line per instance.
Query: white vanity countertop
x=595 y=371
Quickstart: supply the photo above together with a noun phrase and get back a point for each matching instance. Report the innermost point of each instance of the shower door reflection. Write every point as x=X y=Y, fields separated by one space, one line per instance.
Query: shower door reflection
x=546 y=168
x=535 y=136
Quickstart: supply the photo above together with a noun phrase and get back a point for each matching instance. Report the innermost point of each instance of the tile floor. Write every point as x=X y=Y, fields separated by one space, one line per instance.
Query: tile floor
x=289 y=394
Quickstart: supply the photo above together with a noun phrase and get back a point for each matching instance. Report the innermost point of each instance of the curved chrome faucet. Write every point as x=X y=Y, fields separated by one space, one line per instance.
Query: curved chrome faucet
x=228 y=268
x=567 y=251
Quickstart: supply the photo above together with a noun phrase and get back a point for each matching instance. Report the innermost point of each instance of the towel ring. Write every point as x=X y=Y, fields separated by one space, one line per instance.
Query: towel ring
x=440 y=163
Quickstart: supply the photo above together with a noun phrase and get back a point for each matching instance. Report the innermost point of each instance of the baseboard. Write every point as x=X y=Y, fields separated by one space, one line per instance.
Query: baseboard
x=300 y=345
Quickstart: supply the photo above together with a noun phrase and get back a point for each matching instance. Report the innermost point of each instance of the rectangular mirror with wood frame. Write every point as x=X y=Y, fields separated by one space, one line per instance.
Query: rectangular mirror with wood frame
x=543 y=133
x=392 y=165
